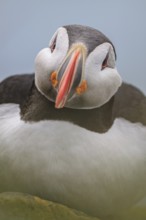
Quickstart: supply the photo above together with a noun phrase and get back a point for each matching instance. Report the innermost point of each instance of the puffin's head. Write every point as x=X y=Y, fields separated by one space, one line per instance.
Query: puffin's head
x=77 y=70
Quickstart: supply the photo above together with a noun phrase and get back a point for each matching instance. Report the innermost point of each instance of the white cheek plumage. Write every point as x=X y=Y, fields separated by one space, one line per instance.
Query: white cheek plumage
x=48 y=61
x=45 y=62
x=43 y=67
x=108 y=82
x=102 y=84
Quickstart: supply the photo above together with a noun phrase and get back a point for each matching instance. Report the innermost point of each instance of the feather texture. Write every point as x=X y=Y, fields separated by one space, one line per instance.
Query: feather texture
x=100 y=174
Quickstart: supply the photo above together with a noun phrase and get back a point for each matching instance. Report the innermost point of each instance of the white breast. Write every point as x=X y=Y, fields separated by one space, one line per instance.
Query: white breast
x=100 y=174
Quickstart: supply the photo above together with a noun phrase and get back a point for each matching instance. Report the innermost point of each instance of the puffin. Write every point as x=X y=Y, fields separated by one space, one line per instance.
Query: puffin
x=73 y=132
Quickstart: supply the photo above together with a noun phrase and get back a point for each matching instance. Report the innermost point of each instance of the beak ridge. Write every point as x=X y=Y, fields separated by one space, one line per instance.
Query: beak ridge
x=70 y=74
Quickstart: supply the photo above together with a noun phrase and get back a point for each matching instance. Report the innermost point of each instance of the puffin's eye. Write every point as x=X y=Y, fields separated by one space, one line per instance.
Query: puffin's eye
x=104 y=64
x=53 y=44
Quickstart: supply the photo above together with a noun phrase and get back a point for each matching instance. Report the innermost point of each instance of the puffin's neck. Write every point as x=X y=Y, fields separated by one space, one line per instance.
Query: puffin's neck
x=37 y=107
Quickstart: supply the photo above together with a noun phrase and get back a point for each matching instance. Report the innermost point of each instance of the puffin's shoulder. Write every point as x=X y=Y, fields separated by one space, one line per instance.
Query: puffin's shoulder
x=15 y=89
x=130 y=104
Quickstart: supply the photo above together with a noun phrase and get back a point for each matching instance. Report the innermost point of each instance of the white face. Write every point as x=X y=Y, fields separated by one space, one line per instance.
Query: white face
x=62 y=72
x=49 y=59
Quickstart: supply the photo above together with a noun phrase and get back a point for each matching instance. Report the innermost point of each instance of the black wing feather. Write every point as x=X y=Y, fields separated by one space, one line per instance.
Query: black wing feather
x=15 y=89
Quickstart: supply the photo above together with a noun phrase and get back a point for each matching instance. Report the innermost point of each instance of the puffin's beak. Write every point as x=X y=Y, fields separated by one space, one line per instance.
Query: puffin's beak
x=70 y=74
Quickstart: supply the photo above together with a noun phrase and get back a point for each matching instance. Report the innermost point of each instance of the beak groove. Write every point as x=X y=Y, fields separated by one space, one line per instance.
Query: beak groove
x=71 y=74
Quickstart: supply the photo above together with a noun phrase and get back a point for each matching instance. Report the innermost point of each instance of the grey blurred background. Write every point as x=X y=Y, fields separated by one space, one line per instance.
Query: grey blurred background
x=27 y=25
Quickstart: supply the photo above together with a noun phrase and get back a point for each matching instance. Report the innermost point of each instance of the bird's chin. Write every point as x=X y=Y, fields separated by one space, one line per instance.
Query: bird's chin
x=79 y=102
x=86 y=101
